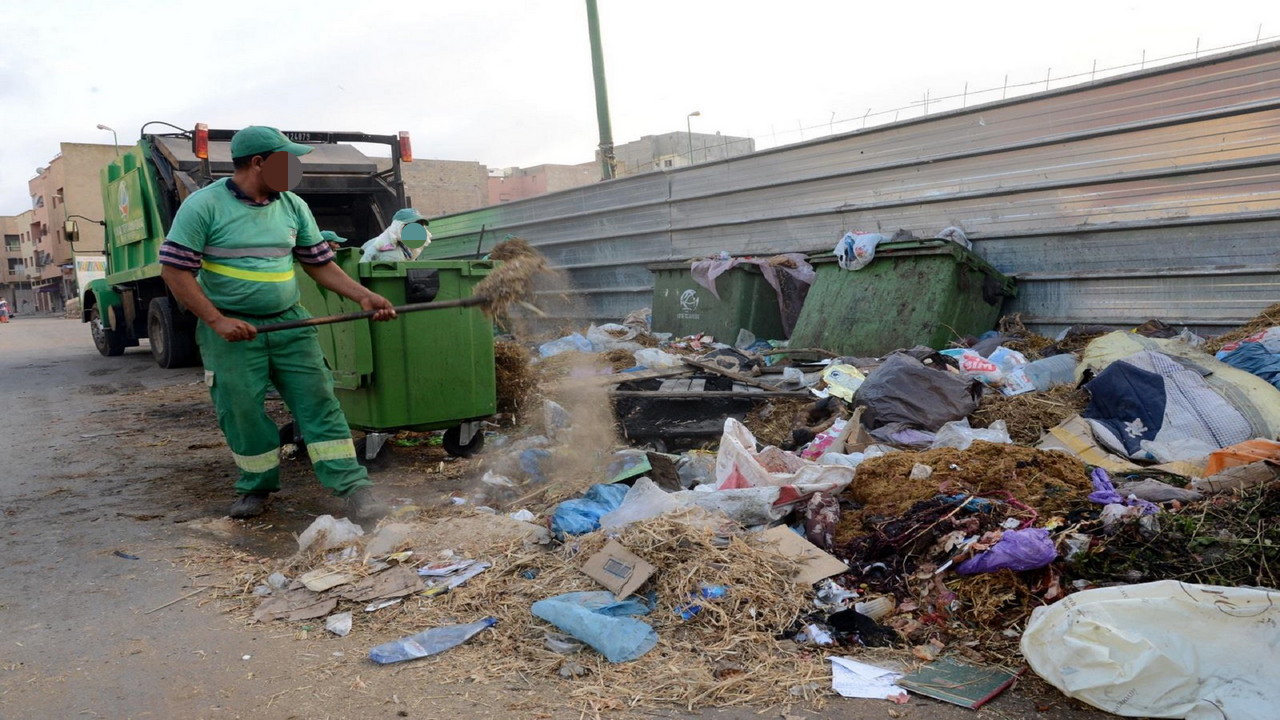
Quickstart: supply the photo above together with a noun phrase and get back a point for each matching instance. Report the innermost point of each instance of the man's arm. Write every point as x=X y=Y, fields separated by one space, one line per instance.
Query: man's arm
x=331 y=277
x=182 y=283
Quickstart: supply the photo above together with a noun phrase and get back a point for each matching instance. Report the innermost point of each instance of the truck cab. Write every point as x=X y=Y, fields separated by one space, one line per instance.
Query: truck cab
x=141 y=192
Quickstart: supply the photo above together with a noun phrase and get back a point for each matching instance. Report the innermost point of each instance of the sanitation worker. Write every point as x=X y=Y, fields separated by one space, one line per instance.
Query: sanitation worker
x=228 y=258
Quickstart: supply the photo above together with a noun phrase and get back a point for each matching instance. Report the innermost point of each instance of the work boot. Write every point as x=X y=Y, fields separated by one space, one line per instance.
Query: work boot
x=363 y=505
x=250 y=505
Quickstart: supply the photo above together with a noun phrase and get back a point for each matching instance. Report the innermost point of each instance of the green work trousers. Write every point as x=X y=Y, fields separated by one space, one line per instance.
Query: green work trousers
x=238 y=374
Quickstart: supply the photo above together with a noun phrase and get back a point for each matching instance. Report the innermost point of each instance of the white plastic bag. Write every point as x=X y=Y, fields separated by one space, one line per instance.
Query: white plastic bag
x=612 y=336
x=960 y=435
x=738 y=465
x=643 y=501
x=1162 y=650
x=655 y=359
x=327 y=533
x=957 y=236
x=856 y=250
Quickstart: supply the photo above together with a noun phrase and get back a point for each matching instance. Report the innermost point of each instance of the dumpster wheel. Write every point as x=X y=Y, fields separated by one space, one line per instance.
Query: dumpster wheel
x=453 y=440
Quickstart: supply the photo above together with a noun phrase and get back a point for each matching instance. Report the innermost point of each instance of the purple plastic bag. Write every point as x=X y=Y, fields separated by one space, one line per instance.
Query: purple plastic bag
x=1017 y=550
x=1105 y=493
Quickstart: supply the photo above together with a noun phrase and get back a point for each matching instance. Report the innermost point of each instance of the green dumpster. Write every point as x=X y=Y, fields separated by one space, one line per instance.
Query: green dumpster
x=683 y=307
x=427 y=370
x=926 y=292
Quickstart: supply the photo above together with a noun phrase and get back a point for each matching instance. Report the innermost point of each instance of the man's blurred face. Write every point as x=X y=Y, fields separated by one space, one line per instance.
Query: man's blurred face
x=282 y=171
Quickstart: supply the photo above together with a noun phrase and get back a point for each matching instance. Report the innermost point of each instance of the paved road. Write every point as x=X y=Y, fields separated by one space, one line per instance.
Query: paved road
x=113 y=455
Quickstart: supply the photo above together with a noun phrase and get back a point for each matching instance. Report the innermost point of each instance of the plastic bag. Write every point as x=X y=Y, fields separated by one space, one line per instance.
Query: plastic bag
x=602 y=622
x=655 y=359
x=1163 y=650
x=857 y=249
x=904 y=390
x=738 y=465
x=696 y=469
x=957 y=236
x=612 y=336
x=327 y=533
x=1051 y=371
x=582 y=515
x=569 y=343
x=1017 y=550
x=746 y=506
x=428 y=642
x=960 y=435
x=643 y=501
x=977 y=367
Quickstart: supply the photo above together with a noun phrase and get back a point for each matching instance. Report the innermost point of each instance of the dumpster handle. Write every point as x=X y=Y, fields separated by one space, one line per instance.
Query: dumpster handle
x=345 y=317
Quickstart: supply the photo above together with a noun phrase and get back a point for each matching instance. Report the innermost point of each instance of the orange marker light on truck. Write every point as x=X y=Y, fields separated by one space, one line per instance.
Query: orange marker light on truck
x=406 y=149
x=200 y=141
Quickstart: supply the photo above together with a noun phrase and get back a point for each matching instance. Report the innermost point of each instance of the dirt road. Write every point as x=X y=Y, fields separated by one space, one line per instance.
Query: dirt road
x=111 y=471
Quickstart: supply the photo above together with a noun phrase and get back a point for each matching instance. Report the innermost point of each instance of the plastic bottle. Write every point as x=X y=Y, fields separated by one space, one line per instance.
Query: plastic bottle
x=428 y=642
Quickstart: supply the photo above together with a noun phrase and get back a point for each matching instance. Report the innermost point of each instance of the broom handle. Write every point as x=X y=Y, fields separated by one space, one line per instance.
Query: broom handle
x=346 y=317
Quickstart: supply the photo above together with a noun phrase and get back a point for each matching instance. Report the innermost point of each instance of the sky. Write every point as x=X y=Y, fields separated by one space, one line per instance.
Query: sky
x=509 y=82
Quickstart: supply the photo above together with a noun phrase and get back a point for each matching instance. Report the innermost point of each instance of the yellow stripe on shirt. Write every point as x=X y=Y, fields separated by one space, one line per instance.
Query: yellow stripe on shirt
x=250 y=275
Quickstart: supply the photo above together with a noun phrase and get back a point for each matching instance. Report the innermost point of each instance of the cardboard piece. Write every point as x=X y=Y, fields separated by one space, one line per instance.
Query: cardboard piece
x=618 y=569
x=813 y=563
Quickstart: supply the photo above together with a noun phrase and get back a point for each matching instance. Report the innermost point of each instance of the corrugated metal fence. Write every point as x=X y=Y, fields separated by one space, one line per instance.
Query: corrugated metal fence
x=1155 y=194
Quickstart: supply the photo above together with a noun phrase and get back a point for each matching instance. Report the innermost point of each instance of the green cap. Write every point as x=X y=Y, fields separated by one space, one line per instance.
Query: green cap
x=258 y=139
x=331 y=236
x=408 y=215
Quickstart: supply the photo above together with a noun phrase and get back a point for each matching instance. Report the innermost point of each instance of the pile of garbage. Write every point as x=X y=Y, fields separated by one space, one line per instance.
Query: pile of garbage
x=958 y=507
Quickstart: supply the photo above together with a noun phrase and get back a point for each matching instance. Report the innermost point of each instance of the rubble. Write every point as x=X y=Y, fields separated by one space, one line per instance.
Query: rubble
x=699 y=559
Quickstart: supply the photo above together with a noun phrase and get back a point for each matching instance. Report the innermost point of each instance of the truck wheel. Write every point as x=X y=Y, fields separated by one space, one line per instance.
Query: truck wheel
x=108 y=341
x=173 y=344
x=453 y=443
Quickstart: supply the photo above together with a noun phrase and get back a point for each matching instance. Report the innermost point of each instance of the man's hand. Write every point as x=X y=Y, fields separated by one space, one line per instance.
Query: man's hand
x=374 y=301
x=233 y=330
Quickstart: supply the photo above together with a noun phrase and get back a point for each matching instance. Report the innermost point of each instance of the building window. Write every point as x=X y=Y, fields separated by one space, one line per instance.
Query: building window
x=666 y=163
x=12 y=243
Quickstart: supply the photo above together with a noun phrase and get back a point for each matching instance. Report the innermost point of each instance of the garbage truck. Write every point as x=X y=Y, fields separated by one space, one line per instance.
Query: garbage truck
x=143 y=187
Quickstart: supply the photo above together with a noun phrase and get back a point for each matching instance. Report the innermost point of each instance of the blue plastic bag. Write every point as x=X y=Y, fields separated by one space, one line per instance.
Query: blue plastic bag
x=1017 y=550
x=602 y=622
x=582 y=515
x=569 y=343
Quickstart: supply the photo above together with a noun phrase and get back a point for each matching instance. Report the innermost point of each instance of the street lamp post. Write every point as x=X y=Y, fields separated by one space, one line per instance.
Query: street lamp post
x=688 y=127
x=114 y=140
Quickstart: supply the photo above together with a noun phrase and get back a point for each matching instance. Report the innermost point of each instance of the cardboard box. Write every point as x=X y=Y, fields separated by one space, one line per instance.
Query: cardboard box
x=814 y=563
x=618 y=569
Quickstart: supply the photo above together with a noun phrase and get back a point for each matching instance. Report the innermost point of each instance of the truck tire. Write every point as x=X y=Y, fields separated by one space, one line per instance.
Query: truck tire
x=109 y=342
x=173 y=342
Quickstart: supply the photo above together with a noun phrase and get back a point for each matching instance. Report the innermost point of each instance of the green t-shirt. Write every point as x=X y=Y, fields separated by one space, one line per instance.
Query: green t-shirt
x=247 y=249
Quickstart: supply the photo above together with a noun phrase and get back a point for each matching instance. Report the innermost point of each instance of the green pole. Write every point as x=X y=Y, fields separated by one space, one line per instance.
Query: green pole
x=602 y=93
